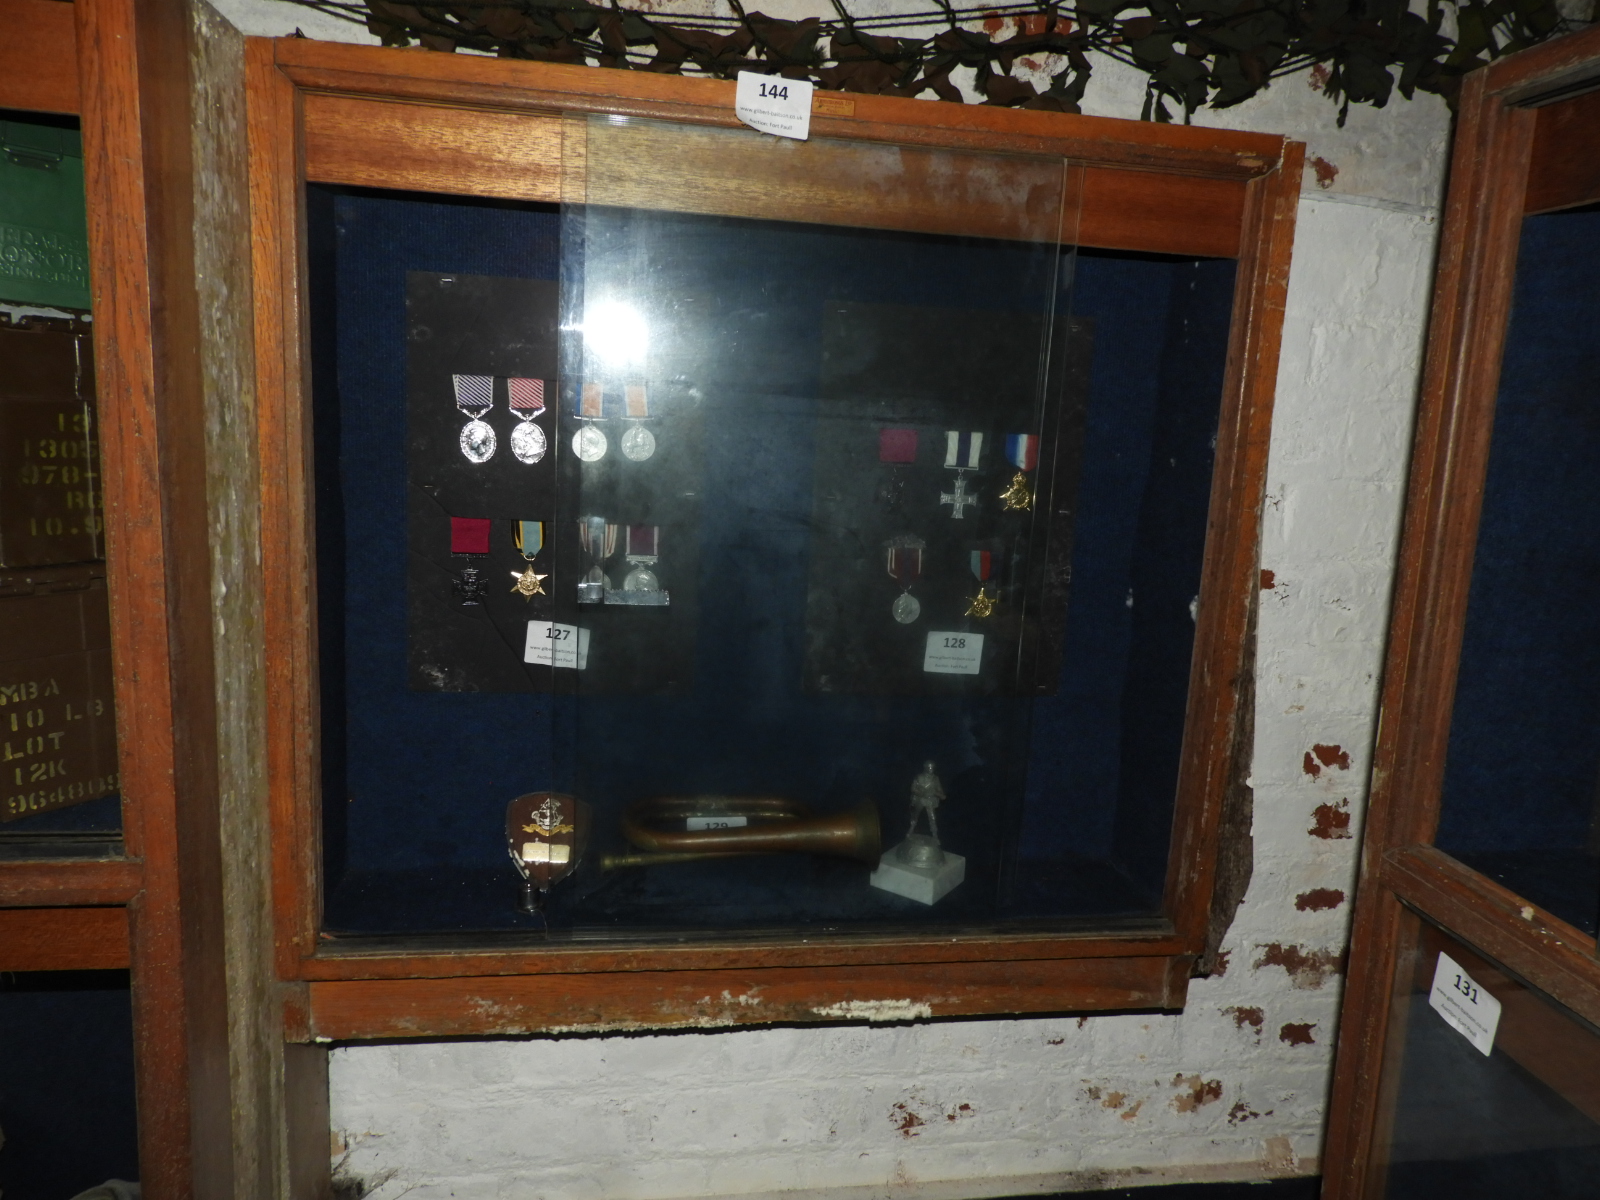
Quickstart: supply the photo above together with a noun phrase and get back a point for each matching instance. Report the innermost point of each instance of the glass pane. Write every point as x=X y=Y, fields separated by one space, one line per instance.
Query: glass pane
x=1523 y=1120
x=1523 y=775
x=866 y=519
x=58 y=749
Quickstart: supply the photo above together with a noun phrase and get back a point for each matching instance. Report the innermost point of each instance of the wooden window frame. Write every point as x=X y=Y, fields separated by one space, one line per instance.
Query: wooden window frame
x=364 y=116
x=1499 y=175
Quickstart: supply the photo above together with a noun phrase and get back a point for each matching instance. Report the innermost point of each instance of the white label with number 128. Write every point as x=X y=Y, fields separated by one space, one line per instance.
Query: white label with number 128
x=953 y=653
x=774 y=104
x=1463 y=1003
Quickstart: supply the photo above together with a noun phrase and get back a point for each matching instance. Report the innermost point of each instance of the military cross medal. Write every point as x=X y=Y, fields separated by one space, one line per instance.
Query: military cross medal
x=961 y=454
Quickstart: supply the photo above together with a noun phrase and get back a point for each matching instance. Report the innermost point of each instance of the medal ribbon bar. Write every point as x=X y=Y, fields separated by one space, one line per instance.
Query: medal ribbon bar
x=527 y=397
x=474 y=394
x=962 y=450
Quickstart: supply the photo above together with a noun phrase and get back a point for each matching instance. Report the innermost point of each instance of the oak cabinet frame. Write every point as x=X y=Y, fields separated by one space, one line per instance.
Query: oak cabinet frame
x=359 y=116
x=1499 y=175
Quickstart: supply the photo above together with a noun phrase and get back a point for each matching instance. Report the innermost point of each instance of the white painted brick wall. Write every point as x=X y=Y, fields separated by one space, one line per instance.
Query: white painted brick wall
x=1229 y=1088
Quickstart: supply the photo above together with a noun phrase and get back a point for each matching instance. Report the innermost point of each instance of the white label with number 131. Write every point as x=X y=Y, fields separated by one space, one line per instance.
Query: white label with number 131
x=1463 y=1003
x=774 y=104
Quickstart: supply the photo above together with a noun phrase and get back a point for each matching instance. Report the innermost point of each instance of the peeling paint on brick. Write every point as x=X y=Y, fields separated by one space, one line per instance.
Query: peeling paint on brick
x=1297 y=1033
x=1252 y=1017
x=1197 y=1092
x=1242 y=1112
x=1326 y=172
x=1331 y=821
x=1268 y=580
x=1307 y=969
x=1319 y=899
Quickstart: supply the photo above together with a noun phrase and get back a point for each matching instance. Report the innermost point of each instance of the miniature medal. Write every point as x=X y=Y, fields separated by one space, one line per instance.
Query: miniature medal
x=981 y=605
x=641 y=585
x=599 y=540
x=530 y=540
x=904 y=562
x=962 y=452
x=638 y=443
x=1022 y=451
x=469 y=586
x=590 y=443
x=527 y=402
x=475 y=397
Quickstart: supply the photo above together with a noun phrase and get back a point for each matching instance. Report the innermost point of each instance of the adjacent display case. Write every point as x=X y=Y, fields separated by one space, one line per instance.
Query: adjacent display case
x=816 y=573
x=1473 y=962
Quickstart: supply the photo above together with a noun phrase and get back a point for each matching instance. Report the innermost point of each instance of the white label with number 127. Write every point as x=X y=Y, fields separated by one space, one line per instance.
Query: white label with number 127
x=774 y=104
x=953 y=653
x=1463 y=1003
x=552 y=645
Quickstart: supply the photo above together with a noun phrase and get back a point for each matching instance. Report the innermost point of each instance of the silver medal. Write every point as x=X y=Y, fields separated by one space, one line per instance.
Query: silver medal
x=478 y=441
x=527 y=442
x=638 y=443
x=906 y=608
x=589 y=444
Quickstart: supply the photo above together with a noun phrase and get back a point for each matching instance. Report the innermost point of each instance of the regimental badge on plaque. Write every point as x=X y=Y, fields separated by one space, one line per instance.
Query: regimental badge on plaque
x=546 y=835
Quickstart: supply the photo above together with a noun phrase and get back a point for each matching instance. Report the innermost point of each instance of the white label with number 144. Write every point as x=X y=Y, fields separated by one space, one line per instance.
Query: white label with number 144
x=774 y=104
x=1463 y=1003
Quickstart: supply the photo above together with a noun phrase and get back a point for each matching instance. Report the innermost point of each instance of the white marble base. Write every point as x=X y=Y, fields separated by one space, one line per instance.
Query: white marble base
x=925 y=885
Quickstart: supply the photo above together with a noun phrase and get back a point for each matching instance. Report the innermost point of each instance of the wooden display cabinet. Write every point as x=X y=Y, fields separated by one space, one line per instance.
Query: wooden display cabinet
x=335 y=116
x=1438 y=871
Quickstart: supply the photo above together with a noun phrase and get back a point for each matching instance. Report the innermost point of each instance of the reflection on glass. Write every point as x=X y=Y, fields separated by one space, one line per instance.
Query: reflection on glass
x=853 y=583
x=1522 y=1121
x=58 y=751
x=1522 y=782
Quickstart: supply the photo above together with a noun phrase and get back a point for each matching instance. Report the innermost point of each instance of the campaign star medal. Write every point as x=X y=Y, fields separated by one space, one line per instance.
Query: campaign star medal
x=475 y=397
x=961 y=454
x=1022 y=451
x=530 y=540
x=527 y=402
x=903 y=559
x=981 y=605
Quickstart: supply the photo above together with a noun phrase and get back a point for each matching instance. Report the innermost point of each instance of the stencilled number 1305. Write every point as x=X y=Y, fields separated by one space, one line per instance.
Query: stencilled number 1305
x=774 y=91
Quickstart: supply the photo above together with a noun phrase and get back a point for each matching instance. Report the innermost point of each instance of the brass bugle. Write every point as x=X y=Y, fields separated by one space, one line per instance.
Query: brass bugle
x=777 y=826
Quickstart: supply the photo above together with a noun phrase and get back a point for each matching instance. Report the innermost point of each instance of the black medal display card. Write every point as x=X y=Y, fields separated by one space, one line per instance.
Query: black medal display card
x=898 y=383
x=468 y=627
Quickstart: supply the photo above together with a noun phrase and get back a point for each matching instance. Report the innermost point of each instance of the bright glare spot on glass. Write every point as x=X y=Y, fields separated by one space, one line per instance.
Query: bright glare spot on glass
x=616 y=334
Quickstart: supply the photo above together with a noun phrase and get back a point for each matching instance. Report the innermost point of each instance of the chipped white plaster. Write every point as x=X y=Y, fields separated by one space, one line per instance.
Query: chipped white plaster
x=1233 y=1087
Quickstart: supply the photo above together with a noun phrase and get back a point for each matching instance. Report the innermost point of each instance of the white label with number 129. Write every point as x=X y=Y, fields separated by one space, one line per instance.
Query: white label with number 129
x=774 y=104
x=953 y=653
x=552 y=645
x=1463 y=1003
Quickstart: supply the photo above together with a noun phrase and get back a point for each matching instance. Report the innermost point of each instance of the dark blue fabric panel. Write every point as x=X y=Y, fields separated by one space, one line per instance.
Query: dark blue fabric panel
x=411 y=758
x=1524 y=754
x=66 y=1083
x=424 y=777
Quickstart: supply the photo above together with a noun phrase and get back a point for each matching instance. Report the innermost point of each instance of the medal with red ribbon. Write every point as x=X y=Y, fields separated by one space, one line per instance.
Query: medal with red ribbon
x=527 y=402
x=903 y=558
x=982 y=563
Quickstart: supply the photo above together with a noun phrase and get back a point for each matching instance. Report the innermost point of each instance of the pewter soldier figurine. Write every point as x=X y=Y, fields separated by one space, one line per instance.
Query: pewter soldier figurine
x=923 y=850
